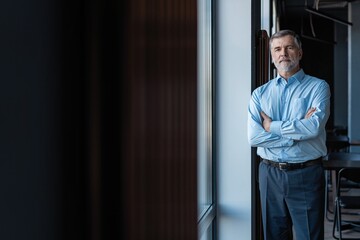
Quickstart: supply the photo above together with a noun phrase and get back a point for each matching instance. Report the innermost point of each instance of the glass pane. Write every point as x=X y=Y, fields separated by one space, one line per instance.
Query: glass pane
x=208 y=235
x=205 y=178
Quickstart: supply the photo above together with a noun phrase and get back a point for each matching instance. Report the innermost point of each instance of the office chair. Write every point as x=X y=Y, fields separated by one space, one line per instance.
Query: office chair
x=334 y=143
x=345 y=201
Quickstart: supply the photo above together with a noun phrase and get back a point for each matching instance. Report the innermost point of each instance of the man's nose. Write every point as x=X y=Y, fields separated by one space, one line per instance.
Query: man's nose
x=283 y=52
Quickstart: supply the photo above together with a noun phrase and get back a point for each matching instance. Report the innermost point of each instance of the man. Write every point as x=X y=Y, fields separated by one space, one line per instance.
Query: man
x=286 y=122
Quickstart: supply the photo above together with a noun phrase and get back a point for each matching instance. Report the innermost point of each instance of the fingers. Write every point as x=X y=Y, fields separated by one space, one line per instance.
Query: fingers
x=266 y=121
x=310 y=112
x=264 y=116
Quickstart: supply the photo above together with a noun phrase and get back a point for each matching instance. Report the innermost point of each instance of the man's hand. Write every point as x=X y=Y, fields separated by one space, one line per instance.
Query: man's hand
x=266 y=121
x=310 y=112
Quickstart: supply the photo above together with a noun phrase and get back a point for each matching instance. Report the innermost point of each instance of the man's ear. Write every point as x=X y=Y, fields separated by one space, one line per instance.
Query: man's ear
x=300 y=54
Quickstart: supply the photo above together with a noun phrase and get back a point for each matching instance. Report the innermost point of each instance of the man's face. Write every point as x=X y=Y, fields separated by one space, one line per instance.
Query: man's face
x=285 y=54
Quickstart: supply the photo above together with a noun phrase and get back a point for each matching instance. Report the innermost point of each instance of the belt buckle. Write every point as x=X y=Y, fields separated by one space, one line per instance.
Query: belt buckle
x=283 y=165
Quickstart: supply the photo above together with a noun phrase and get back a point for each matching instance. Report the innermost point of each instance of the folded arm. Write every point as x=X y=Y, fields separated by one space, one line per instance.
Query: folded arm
x=257 y=135
x=265 y=132
x=313 y=122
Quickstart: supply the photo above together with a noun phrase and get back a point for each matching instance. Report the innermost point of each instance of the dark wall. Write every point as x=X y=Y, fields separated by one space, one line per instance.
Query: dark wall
x=60 y=106
x=98 y=133
x=30 y=138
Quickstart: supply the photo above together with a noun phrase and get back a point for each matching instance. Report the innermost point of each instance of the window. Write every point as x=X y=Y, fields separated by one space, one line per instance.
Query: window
x=206 y=193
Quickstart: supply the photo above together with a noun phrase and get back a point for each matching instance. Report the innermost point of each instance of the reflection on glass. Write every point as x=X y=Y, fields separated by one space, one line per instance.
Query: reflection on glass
x=205 y=181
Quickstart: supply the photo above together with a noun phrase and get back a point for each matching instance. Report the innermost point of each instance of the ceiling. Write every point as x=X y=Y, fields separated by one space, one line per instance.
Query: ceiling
x=314 y=19
x=333 y=8
x=321 y=4
x=313 y=14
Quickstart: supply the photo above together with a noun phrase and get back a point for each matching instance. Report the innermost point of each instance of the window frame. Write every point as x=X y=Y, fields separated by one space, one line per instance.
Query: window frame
x=206 y=69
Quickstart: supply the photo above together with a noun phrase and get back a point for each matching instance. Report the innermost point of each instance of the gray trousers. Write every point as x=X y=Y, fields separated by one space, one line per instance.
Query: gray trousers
x=292 y=200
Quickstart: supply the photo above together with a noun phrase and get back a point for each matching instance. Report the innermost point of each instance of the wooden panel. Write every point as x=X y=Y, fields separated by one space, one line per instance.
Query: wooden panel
x=262 y=76
x=262 y=66
x=159 y=130
x=130 y=119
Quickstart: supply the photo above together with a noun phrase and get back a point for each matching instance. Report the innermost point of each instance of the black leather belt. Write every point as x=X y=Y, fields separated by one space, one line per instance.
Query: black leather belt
x=292 y=166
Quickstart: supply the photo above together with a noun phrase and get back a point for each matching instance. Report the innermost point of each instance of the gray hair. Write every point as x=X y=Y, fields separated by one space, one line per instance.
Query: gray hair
x=283 y=33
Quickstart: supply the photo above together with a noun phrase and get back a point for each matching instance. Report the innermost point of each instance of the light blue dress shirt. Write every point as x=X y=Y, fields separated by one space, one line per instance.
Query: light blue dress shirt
x=291 y=138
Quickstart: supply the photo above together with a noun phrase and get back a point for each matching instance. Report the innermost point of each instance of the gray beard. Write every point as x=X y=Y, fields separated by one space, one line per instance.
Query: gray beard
x=286 y=68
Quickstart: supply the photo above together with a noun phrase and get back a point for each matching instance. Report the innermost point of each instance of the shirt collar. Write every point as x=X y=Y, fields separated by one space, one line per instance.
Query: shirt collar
x=298 y=76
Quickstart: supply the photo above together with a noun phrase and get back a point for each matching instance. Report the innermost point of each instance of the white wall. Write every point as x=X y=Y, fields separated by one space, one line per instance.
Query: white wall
x=234 y=89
